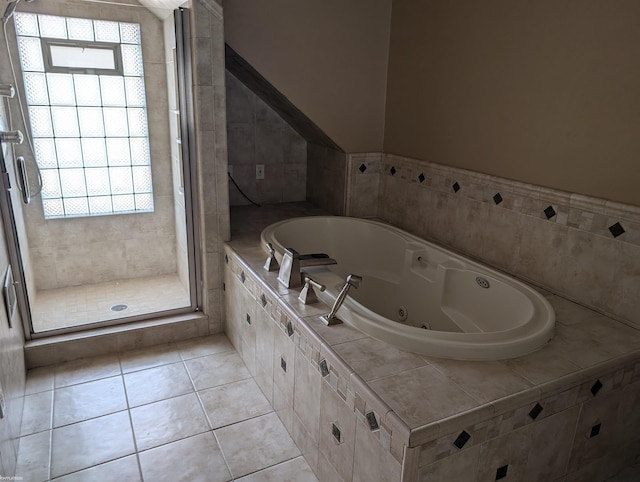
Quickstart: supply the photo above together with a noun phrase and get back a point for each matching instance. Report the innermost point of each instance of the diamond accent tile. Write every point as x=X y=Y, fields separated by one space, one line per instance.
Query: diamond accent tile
x=595 y=388
x=421 y=177
x=372 y=421
x=335 y=431
x=535 y=411
x=456 y=186
x=616 y=230
x=362 y=168
x=501 y=473
x=324 y=369
x=497 y=198
x=462 y=439
x=392 y=170
x=549 y=212
x=595 y=430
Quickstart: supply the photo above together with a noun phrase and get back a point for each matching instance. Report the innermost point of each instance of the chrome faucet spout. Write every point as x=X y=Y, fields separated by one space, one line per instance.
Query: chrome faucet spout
x=331 y=319
x=290 y=273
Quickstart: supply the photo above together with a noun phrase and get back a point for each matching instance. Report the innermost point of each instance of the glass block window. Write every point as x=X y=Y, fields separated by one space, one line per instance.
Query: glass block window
x=84 y=86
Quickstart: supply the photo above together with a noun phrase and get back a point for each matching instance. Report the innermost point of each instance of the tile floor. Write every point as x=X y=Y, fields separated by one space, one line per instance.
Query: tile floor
x=79 y=305
x=181 y=411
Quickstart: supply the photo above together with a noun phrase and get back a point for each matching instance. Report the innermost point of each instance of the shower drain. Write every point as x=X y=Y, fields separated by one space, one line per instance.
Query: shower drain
x=119 y=307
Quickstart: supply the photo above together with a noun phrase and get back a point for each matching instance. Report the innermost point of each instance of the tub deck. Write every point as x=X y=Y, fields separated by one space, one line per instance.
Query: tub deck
x=436 y=398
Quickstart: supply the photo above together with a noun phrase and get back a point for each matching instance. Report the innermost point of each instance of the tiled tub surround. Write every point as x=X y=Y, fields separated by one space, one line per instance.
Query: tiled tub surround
x=566 y=411
x=585 y=249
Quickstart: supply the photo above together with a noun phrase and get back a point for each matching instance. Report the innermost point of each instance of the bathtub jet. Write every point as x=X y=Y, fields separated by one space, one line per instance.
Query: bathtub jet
x=452 y=307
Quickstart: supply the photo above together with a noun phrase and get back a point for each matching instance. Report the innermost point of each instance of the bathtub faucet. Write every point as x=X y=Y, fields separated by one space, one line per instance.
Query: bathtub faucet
x=352 y=280
x=290 y=273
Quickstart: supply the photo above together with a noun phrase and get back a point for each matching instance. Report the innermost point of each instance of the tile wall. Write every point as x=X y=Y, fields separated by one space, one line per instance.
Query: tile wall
x=326 y=178
x=351 y=422
x=256 y=134
x=586 y=432
x=105 y=248
x=585 y=249
x=12 y=366
x=342 y=435
x=207 y=43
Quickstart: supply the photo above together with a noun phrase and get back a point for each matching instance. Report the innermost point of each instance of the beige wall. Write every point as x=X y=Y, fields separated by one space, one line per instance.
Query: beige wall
x=543 y=92
x=329 y=58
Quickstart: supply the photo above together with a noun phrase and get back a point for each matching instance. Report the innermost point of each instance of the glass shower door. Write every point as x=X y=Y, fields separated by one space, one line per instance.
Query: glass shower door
x=109 y=237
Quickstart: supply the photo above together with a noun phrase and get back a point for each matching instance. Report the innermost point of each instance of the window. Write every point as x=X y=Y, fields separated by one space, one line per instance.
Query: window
x=84 y=88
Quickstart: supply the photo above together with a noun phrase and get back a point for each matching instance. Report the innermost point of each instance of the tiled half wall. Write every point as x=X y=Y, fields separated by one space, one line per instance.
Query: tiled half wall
x=582 y=427
x=583 y=248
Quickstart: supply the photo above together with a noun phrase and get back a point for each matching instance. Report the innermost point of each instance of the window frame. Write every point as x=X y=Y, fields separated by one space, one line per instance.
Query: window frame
x=115 y=49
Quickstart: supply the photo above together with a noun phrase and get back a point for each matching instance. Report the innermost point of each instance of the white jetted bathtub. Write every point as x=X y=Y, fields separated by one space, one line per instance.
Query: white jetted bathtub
x=416 y=295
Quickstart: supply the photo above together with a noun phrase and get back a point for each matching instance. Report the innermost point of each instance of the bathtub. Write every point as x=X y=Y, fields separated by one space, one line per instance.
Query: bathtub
x=417 y=295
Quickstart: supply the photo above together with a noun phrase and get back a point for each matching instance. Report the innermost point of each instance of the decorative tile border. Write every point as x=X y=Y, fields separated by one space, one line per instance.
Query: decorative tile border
x=589 y=214
x=612 y=383
x=597 y=216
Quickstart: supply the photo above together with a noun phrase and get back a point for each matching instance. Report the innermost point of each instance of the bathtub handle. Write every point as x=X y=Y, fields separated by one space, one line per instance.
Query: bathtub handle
x=272 y=263
x=307 y=295
x=331 y=318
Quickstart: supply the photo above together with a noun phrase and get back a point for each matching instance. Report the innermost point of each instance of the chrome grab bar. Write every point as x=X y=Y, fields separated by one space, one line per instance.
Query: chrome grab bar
x=23 y=180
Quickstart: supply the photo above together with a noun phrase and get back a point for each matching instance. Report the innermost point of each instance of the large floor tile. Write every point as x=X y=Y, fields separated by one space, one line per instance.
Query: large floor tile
x=214 y=370
x=295 y=470
x=33 y=457
x=36 y=415
x=157 y=383
x=196 y=459
x=84 y=444
x=234 y=402
x=149 y=357
x=256 y=444
x=88 y=400
x=125 y=469
x=39 y=380
x=86 y=369
x=209 y=345
x=168 y=420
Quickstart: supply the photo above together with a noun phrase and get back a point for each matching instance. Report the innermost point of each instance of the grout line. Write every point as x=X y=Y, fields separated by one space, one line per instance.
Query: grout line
x=50 y=435
x=129 y=408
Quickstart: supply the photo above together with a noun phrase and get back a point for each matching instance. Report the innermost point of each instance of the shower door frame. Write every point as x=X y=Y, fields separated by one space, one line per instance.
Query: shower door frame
x=182 y=28
x=182 y=32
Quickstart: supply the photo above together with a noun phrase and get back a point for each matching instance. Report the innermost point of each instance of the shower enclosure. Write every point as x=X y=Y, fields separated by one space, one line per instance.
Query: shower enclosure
x=100 y=205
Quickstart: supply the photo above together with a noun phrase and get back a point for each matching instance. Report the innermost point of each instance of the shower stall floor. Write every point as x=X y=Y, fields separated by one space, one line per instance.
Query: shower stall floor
x=81 y=305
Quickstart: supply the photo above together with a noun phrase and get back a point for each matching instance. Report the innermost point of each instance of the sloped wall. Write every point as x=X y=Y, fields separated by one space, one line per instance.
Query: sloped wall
x=329 y=58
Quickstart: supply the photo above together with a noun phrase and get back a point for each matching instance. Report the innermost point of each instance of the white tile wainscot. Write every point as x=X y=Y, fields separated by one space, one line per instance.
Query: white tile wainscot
x=422 y=418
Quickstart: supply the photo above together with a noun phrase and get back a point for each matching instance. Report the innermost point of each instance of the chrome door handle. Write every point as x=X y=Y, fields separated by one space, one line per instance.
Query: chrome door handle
x=23 y=180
